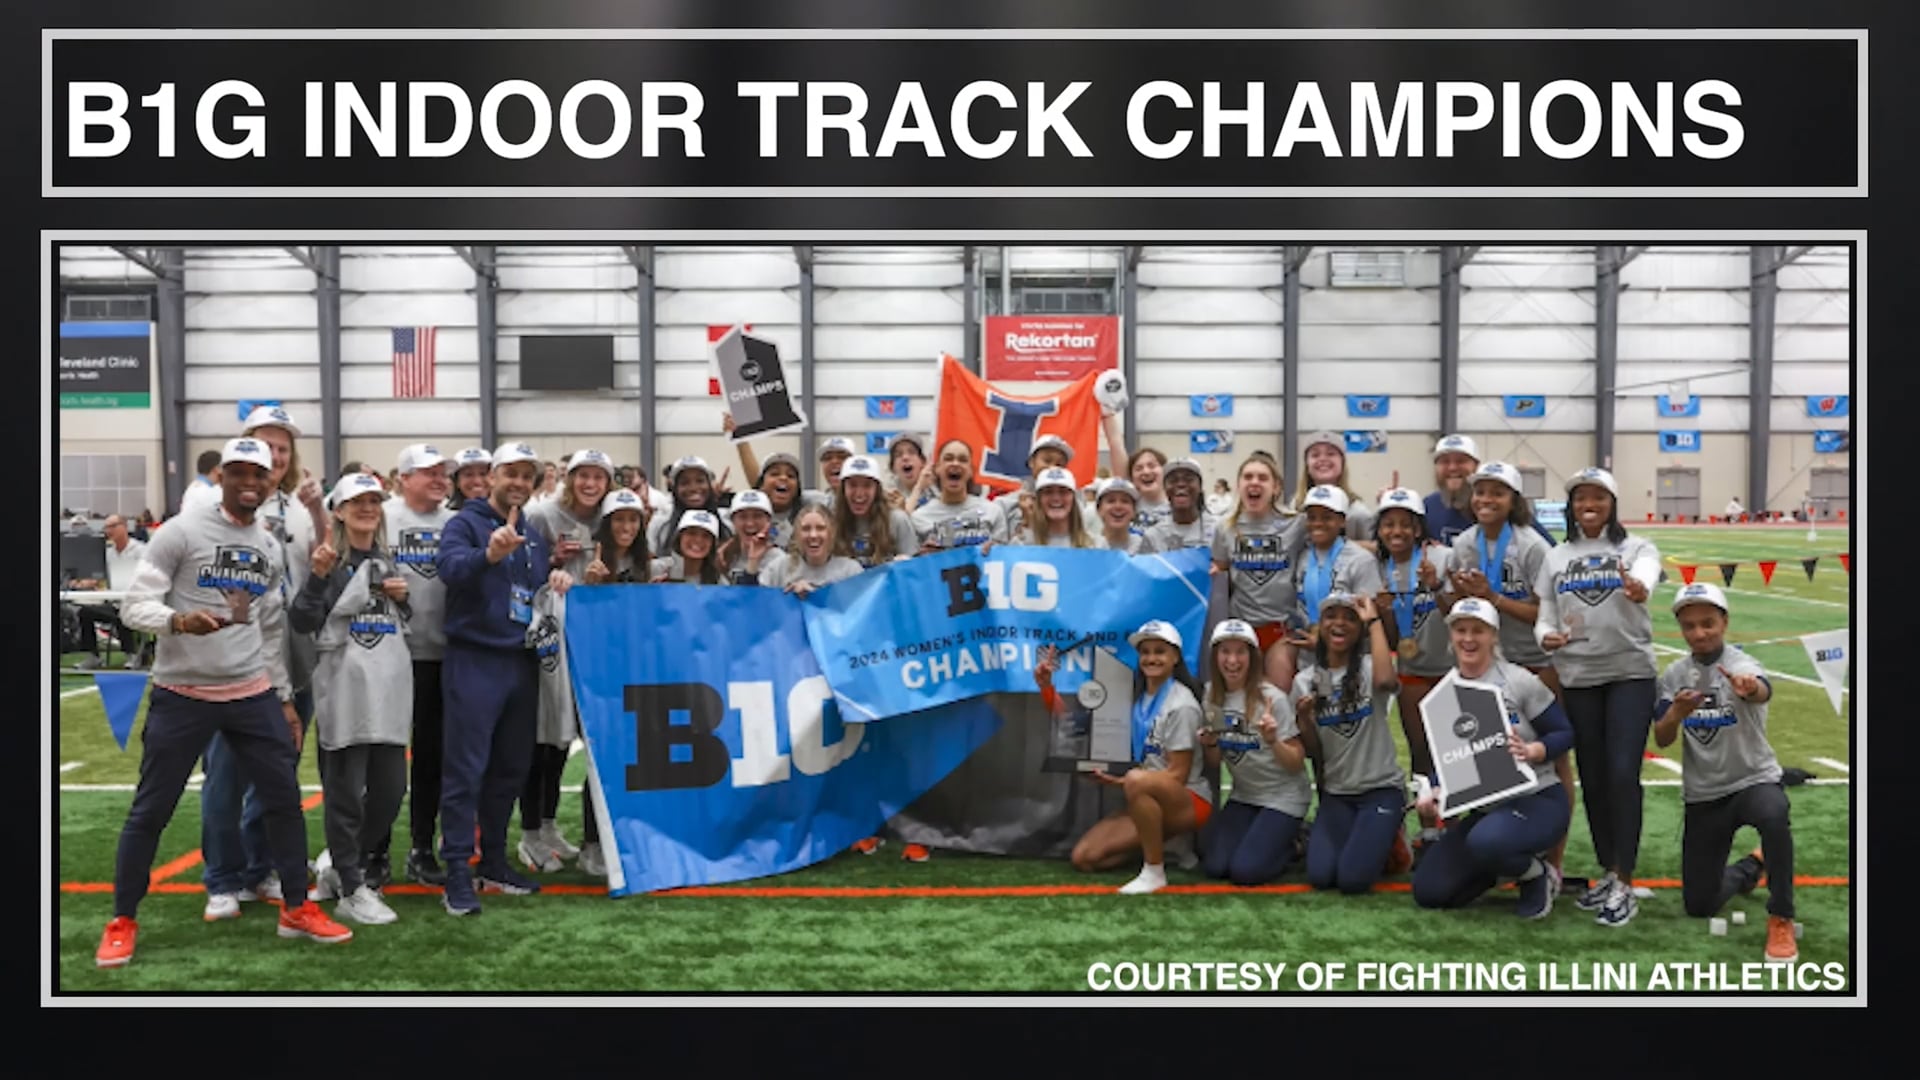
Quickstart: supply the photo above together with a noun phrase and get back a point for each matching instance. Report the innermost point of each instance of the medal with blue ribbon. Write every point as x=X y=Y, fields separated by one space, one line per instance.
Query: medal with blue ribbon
x=1493 y=563
x=1403 y=600
x=1318 y=580
x=1143 y=714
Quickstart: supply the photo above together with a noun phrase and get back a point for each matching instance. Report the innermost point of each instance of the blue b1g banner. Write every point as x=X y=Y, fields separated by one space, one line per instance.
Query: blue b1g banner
x=1679 y=442
x=952 y=626
x=715 y=742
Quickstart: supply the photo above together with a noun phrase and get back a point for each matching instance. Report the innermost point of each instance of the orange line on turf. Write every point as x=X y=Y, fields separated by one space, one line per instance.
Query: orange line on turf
x=911 y=891
x=193 y=858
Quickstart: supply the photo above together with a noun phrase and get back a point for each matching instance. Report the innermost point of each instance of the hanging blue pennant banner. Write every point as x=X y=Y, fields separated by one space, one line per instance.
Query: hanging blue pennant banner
x=120 y=695
x=247 y=405
x=1211 y=404
x=1826 y=405
x=877 y=441
x=1832 y=442
x=1526 y=406
x=1366 y=442
x=1672 y=406
x=1210 y=442
x=1679 y=442
x=1368 y=405
x=887 y=408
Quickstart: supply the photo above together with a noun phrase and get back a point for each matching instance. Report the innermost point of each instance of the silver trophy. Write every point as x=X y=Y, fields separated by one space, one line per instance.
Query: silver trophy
x=239 y=605
x=1576 y=625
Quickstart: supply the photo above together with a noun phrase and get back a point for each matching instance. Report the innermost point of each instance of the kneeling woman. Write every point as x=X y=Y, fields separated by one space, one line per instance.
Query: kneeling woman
x=1251 y=726
x=1512 y=838
x=1341 y=695
x=1167 y=795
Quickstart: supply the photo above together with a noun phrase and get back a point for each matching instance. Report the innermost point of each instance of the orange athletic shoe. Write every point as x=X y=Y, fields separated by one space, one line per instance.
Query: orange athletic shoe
x=308 y=921
x=1400 y=859
x=868 y=846
x=116 y=945
x=915 y=853
x=1780 y=944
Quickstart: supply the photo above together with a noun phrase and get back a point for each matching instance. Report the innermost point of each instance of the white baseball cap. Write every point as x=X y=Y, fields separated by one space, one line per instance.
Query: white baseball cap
x=860 y=465
x=1403 y=499
x=1234 y=630
x=1331 y=438
x=835 y=445
x=691 y=461
x=353 y=486
x=622 y=499
x=1498 y=470
x=1184 y=464
x=1700 y=592
x=698 y=519
x=781 y=458
x=472 y=455
x=1055 y=477
x=1328 y=496
x=509 y=453
x=1593 y=474
x=1456 y=444
x=1116 y=485
x=1159 y=631
x=583 y=458
x=271 y=416
x=1472 y=607
x=1340 y=599
x=906 y=437
x=247 y=449
x=753 y=499
x=419 y=456
x=1054 y=441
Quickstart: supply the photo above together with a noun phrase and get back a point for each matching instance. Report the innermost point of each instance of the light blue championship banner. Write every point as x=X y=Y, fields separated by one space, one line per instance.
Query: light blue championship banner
x=716 y=744
x=956 y=625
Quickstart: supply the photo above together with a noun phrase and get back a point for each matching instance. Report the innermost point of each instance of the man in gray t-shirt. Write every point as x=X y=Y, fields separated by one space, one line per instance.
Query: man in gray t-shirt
x=414 y=521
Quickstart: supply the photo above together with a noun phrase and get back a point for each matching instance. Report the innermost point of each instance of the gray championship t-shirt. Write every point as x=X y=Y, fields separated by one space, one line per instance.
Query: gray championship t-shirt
x=1726 y=748
x=905 y=540
x=1525 y=697
x=414 y=540
x=1259 y=554
x=556 y=724
x=674 y=569
x=1259 y=780
x=1174 y=728
x=363 y=680
x=556 y=523
x=1149 y=514
x=783 y=568
x=1525 y=556
x=1582 y=595
x=1356 y=738
x=1134 y=544
x=968 y=523
x=1354 y=570
x=1168 y=536
x=1421 y=606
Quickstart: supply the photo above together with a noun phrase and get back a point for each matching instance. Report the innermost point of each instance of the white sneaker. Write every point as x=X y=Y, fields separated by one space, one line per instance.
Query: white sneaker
x=550 y=832
x=592 y=861
x=536 y=855
x=268 y=890
x=365 y=907
x=1153 y=878
x=327 y=885
x=222 y=905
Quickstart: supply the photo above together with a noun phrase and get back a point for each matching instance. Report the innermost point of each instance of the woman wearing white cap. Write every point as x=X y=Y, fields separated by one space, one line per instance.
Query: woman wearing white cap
x=1593 y=618
x=1188 y=523
x=1117 y=503
x=867 y=528
x=1450 y=506
x=833 y=455
x=1718 y=698
x=619 y=558
x=690 y=482
x=1327 y=563
x=1341 y=697
x=1256 y=548
x=1023 y=505
x=1513 y=838
x=1167 y=792
x=810 y=563
x=472 y=472
x=233 y=836
x=1057 y=520
x=750 y=519
x=1409 y=600
x=1250 y=727
x=1324 y=464
x=694 y=560
x=355 y=602
x=955 y=516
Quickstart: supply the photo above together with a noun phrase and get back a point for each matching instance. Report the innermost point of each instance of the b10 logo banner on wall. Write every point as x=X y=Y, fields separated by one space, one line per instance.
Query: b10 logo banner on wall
x=1037 y=348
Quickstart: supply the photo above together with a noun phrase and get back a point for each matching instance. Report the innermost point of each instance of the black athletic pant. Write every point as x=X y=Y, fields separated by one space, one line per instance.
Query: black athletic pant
x=1610 y=725
x=429 y=712
x=1707 y=881
x=540 y=801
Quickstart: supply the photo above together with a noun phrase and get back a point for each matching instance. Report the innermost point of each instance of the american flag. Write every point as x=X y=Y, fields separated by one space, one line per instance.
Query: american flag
x=413 y=361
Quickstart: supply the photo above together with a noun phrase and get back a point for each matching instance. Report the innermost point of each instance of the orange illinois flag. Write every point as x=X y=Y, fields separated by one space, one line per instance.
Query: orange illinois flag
x=1001 y=428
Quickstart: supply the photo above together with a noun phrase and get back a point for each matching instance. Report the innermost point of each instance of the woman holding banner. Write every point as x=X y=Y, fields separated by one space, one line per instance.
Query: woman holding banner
x=691 y=484
x=1058 y=520
x=619 y=558
x=1117 y=503
x=810 y=563
x=1167 y=793
x=693 y=560
x=1515 y=837
x=1250 y=724
x=748 y=549
x=955 y=516
x=1256 y=548
x=866 y=528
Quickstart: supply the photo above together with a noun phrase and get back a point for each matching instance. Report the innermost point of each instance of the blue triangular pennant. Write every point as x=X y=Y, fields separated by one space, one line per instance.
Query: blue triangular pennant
x=120 y=694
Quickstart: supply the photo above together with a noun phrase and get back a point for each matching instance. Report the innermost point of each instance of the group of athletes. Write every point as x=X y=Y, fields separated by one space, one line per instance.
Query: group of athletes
x=430 y=618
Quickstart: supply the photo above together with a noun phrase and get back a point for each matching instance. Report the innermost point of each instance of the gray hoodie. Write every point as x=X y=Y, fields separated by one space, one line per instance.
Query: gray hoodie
x=193 y=564
x=363 y=681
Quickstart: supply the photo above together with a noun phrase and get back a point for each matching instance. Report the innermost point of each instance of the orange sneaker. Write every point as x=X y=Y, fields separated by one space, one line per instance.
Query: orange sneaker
x=1400 y=859
x=308 y=921
x=116 y=945
x=1781 y=948
x=868 y=846
x=915 y=853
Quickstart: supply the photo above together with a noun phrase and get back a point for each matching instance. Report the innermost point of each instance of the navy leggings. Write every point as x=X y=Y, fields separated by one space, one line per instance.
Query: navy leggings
x=1247 y=844
x=1610 y=725
x=1473 y=855
x=1351 y=838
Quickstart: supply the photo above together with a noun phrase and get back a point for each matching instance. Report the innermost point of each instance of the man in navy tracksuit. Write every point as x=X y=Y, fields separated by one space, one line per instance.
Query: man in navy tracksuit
x=492 y=564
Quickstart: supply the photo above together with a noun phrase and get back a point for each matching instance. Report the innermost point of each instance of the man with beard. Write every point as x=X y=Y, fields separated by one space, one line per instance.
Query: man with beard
x=1189 y=525
x=1450 y=504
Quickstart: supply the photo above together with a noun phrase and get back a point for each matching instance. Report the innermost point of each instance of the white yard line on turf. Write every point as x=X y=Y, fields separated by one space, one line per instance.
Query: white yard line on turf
x=65 y=694
x=126 y=788
x=1839 y=781
x=1770 y=674
x=1665 y=763
x=1832 y=764
x=71 y=765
